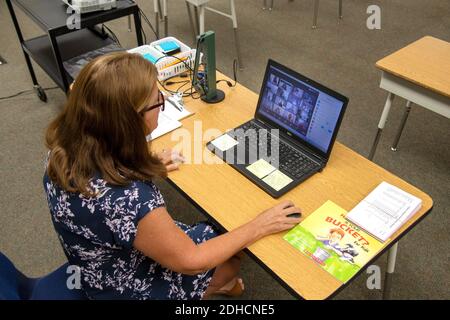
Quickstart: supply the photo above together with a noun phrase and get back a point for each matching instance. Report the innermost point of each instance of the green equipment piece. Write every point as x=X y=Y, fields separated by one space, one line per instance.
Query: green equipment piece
x=204 y=81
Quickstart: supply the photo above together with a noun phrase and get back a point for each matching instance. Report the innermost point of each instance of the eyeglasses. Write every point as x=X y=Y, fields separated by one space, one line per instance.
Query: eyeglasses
x=160 y=104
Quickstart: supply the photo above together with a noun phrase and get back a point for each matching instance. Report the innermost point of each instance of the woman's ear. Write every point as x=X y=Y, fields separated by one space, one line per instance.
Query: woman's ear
x=71 y=86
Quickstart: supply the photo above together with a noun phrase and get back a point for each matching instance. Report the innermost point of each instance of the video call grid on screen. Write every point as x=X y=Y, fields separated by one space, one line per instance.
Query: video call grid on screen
x=291 y=104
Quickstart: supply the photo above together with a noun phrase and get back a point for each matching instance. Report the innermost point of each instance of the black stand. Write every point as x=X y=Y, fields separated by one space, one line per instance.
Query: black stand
x=61 y=43
x=220 y=95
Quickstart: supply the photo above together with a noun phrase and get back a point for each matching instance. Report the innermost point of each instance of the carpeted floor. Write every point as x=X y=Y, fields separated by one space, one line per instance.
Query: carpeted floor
x=342 y=56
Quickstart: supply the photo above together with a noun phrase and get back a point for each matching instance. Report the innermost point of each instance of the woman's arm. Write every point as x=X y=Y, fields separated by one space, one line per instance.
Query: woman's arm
x=159 y=238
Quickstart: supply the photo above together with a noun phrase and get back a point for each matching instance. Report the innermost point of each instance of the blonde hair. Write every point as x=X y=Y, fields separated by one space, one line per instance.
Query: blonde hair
x=100 y=129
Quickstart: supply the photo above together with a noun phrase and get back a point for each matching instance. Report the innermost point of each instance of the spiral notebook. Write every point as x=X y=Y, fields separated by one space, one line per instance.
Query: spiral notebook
x=385 y=210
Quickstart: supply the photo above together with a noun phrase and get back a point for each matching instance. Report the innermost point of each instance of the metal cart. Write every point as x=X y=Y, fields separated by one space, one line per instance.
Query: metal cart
x=62 y=41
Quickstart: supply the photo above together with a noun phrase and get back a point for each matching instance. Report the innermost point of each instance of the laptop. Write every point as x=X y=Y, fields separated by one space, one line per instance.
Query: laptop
x=291 y=135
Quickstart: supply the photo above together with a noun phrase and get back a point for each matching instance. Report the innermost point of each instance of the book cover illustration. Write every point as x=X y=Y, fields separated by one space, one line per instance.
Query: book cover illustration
x=334 y=243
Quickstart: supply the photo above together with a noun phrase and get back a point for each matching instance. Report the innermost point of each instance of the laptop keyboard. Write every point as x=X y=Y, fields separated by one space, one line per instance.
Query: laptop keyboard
x=291 y=161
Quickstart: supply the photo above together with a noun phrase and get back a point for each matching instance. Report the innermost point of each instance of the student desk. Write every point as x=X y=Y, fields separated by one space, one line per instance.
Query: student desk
x=419 y=73
x=230 y=200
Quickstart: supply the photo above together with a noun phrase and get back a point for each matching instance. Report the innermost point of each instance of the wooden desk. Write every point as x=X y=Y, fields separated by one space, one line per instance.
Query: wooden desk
x=420 y=73
x=231 y=200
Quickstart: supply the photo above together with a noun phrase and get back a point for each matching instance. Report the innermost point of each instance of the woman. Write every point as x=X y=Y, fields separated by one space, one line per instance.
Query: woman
x=110 y=217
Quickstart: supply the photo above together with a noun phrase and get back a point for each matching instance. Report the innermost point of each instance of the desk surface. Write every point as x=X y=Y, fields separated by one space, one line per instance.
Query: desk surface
x=232 y=200
x=425 y=62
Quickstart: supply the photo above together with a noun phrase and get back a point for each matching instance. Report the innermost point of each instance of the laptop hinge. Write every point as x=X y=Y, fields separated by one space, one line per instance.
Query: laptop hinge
x=314 y=155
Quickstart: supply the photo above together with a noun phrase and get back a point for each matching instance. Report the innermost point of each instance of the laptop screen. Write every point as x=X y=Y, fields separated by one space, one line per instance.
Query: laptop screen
x=297 y=106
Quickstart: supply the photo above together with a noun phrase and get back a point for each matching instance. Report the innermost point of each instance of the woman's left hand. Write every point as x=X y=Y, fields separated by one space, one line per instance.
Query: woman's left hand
x=171 y=159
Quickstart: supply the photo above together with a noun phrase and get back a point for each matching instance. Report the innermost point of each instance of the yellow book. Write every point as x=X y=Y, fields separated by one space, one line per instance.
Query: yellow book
x=334 y=243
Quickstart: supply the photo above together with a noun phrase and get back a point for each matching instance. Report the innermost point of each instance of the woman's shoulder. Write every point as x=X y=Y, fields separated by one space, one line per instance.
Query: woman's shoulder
x=143 y=186
x=135 y=191
x=147 y=191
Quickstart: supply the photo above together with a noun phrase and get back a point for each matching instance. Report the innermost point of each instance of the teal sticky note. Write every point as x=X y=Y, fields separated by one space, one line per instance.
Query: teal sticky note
x=150 y=58
x=169 y=46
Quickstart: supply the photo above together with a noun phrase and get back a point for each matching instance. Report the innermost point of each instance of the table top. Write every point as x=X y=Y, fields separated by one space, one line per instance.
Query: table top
x=53 y=14
x=425 y=62
x=232 y=200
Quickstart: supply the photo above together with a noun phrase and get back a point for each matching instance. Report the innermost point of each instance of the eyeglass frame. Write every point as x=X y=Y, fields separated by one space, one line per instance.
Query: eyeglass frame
x=156 y=105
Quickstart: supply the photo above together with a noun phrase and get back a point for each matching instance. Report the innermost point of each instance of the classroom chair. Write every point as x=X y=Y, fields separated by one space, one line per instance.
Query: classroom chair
x=197 y=24
x=160 y=12
x=316 y=10
x=200 y=6
x=14 y=285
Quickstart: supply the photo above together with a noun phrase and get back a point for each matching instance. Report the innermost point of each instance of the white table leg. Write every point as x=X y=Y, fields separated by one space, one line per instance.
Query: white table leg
x=236 y=37
x=382 y=122
x=192 y=22
x=160 y=10
x=201 y=15
x=316 y=14
x=156 y=12
x=392 y=257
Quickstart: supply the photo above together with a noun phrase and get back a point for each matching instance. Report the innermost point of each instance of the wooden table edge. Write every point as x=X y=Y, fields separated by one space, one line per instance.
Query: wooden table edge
x=384 y=69
x=379 y=64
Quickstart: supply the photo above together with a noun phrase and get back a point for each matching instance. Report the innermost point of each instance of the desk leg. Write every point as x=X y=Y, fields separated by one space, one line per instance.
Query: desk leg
x=138 y=27
x=236 y=37
x=201 y=19
x=156 y=12
x=160 y=10
x=402 y=125
x=59 y=62
x=384 y=116
x=166 y=19
x=392 y=256
x=340 y=10
x=194 y=21
x=316 y=13
x=197 y=23
x=20 y=36
x=191 y=21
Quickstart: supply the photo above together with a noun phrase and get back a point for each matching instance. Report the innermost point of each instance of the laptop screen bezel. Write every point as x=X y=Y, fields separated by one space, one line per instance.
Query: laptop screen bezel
x=318 y=86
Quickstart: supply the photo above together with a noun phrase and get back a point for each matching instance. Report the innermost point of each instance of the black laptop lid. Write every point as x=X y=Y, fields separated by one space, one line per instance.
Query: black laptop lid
x=300 y=108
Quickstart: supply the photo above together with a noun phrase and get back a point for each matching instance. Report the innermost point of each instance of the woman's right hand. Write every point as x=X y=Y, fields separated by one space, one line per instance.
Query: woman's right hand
x=172 y=159
x=276 y=219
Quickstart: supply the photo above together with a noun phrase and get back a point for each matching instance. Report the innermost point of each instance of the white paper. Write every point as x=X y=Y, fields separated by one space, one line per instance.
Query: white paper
x=175 y=114
x=224 y=142
x=165 y=125
x=384 y=210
